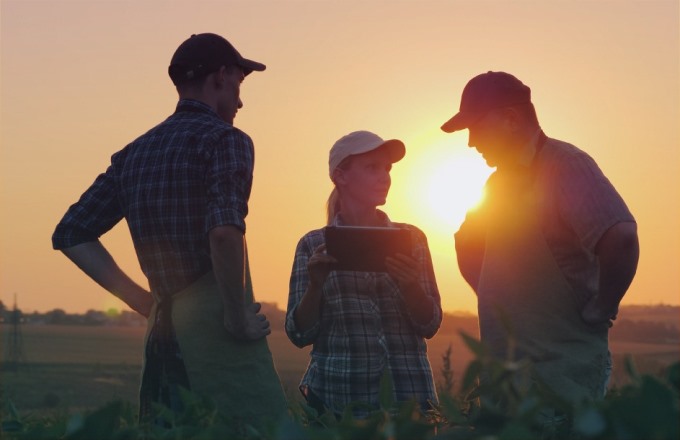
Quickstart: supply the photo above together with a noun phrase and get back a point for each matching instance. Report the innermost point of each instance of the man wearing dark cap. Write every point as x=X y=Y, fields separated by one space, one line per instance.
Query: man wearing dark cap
x=551 y=250
x=183 y=188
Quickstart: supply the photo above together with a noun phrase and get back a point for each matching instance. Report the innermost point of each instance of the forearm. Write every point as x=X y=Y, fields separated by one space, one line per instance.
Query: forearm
x=470 y=242
x=308 y=310
x=417 y=289
x=419 y=305
x=470 y=265
x=618 y=253
x=93 y=259
x=227 y=250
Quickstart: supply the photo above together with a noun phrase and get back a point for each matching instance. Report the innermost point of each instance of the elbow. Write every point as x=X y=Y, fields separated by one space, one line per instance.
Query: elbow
x=632 y=246
x=298 y=339
x=619 y=250
x=225 y=236
x=431 y=333
x=430 y=329
x=299 y=343
x=295 y=335
x=620 y=239
x=628 y=235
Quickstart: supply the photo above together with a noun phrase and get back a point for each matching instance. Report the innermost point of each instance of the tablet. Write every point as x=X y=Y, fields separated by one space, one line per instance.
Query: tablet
x=364 y=249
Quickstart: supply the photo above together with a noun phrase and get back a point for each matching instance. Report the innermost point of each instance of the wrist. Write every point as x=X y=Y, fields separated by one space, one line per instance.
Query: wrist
x=411 y=290
x=597 y=311
x=315 y=287
x=234 y=319
x=603 y=306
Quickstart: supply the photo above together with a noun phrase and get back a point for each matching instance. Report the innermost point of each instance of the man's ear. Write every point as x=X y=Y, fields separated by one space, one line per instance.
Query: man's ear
x=513 y=119
x=219 y=77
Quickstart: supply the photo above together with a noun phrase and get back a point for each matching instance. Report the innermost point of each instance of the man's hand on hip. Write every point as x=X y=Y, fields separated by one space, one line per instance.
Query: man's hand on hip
x=594 y=312
x=254 y=325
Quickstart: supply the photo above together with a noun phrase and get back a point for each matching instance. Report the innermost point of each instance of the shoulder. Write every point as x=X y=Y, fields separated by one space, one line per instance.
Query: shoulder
x=206 y=126
x=556 y=152
x=234 y=134
x=311 y=240
x=415 y=231
x=566 y=161
x=219 y=132
x=313 y=235
x=230 y=144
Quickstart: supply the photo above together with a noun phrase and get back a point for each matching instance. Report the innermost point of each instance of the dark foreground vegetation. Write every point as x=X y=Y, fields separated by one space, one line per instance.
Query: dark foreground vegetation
x=645 y=408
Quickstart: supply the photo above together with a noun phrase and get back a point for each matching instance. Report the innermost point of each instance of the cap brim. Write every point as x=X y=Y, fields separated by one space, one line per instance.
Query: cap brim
x=459 y=121
x=249 y=66
x=396 y=148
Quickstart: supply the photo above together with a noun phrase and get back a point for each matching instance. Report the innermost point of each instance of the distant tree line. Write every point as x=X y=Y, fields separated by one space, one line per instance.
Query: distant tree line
x=61 y=317
x=644 y=331
x=658 y=323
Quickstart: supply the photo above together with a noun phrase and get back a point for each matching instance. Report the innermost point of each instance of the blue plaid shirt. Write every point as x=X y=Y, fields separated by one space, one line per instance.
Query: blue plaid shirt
x=185 y=176
x=364 y=331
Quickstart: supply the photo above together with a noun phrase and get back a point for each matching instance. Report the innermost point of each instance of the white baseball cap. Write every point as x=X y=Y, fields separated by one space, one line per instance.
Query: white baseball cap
x=359 y=142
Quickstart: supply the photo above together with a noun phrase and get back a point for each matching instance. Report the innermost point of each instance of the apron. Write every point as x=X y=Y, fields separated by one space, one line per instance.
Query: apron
x=238 y=376
x=523 y=296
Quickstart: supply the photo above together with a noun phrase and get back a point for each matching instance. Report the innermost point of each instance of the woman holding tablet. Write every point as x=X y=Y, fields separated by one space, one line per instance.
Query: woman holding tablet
x=363 y=325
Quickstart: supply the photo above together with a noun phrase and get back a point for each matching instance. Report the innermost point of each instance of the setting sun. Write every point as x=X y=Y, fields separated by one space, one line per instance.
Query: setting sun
x=438 y=184
x=433 y=187
x=454 y=186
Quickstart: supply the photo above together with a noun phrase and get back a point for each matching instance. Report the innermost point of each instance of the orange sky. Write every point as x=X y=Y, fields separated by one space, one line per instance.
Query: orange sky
x=80 y=79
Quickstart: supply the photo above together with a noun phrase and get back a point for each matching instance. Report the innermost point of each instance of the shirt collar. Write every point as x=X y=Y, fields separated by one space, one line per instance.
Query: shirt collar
x=526 y=155
x=192 y=105
x=384 y=219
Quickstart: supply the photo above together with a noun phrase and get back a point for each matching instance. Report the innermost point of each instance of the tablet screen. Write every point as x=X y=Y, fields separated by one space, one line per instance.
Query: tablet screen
x=364 y=248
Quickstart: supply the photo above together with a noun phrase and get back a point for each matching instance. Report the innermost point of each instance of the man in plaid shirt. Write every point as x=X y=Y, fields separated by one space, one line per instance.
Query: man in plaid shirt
x=183 y=188
x=363 y=325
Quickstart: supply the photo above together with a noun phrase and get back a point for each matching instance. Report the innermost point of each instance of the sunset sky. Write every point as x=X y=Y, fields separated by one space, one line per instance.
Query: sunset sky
x=81 y=79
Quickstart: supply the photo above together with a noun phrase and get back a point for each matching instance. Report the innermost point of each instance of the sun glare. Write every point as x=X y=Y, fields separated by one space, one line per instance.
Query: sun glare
x=445 y=181
x=438 y=184
x=433 y=187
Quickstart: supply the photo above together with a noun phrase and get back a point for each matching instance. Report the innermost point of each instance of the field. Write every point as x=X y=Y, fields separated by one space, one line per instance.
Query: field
x=77 y=368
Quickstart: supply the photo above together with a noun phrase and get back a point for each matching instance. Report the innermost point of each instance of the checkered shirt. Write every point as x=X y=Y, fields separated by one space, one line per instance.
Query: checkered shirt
x=173 y=184
x=364 y=330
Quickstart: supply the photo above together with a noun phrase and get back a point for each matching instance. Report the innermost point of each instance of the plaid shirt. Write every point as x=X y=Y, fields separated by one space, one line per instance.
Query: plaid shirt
x=185 y=176
x=365 y=329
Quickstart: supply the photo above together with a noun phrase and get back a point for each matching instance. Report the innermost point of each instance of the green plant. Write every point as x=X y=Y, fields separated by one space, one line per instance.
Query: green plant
x=648 y=408
x=505 y=404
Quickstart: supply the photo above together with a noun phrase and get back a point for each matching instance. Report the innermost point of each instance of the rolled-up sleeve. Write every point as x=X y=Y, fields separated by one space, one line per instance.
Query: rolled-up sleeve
x=299 y=280
x=95 y=213
x=229 y=180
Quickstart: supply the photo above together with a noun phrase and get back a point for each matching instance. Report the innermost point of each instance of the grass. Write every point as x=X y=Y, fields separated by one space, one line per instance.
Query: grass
x=46 y=387
x=76 y=367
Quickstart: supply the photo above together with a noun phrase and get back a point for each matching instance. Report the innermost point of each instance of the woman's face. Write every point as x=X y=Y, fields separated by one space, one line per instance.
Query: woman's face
x=366 y=179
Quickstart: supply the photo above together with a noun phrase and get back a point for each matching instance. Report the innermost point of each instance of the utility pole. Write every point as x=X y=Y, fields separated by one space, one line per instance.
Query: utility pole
x=15 y=358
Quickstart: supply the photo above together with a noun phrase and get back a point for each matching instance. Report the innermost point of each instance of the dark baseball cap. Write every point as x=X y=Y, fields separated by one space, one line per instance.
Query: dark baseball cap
x=202 y=54
x=486 y=92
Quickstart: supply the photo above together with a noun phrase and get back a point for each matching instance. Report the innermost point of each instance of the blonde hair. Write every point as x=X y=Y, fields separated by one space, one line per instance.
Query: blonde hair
x=333 y=203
